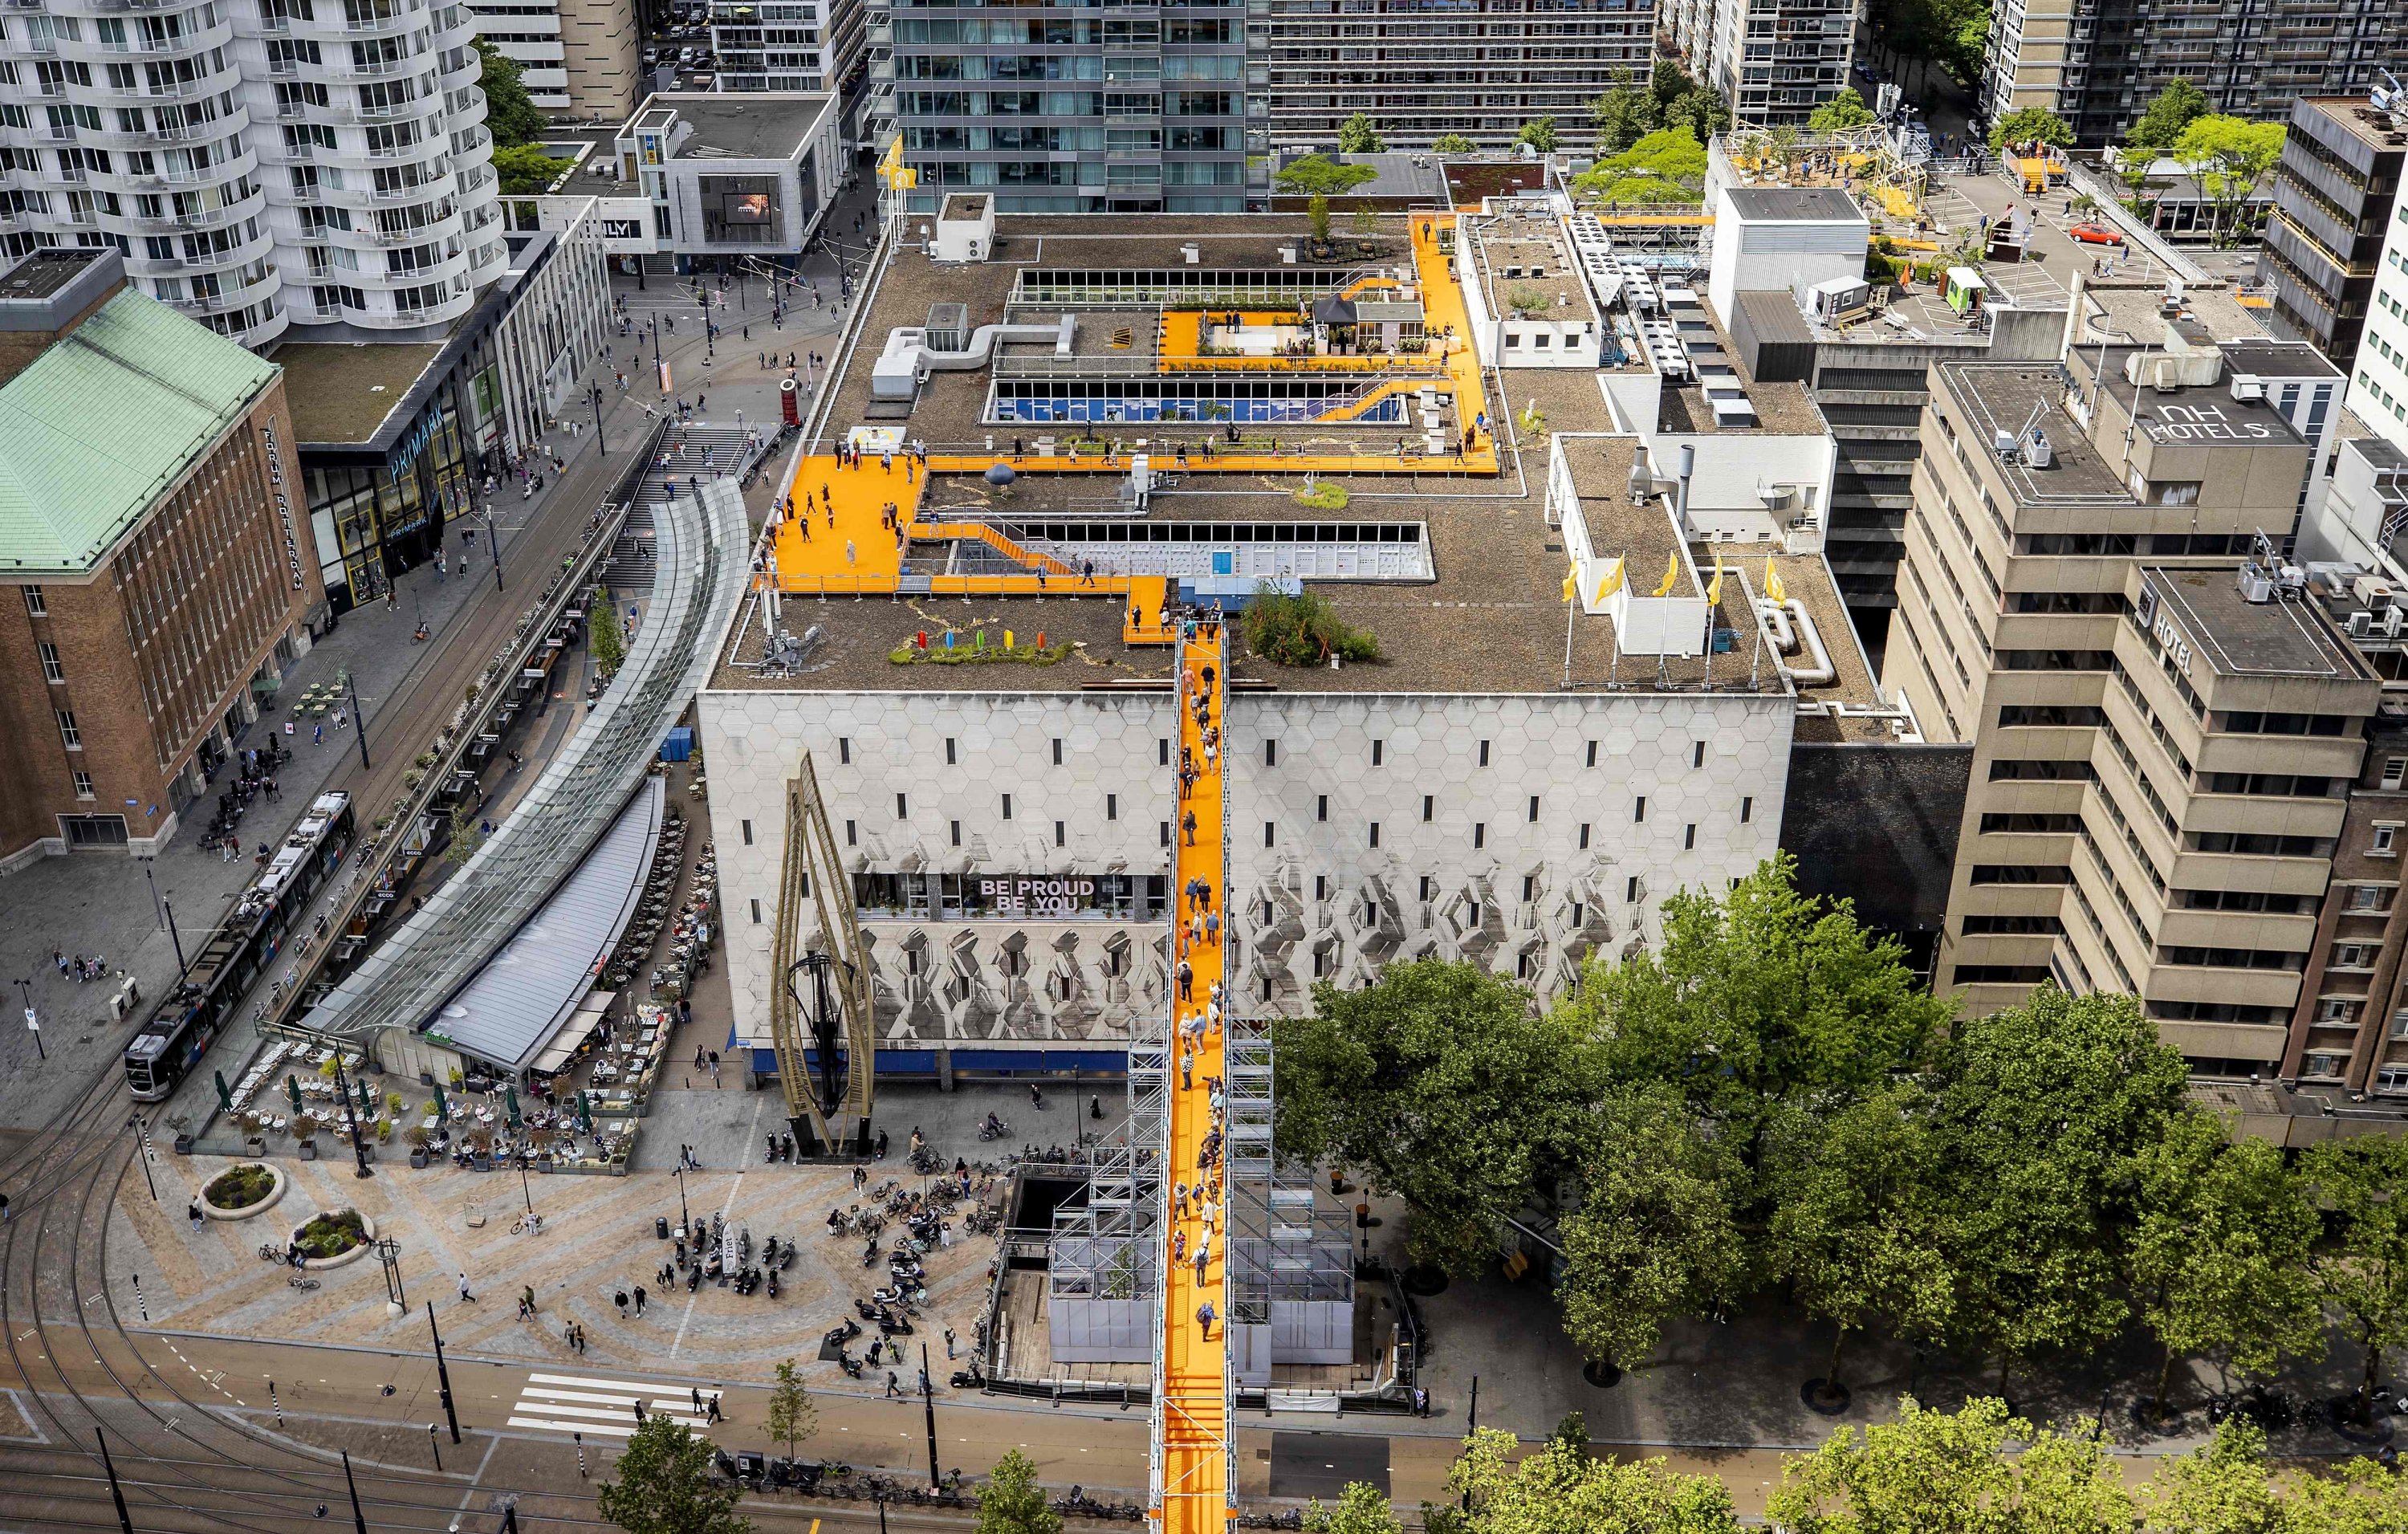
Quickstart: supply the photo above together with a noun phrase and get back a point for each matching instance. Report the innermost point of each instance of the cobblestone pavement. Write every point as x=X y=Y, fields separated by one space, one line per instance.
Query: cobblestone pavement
x=597 y=1240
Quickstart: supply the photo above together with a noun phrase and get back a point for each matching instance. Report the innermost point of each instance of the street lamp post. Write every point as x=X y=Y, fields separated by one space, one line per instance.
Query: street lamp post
x=493 y=545
x=351 y=1119
x=600 y=446
x=522 y=1184
x=685 y=1220
x=359 y=720
x=32 y=1021
x=180 y=963
x=142 y=1148
x=442 y=1380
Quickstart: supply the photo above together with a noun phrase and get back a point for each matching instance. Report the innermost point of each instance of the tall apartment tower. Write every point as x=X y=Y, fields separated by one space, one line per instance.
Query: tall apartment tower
x=788 y=45
x=2333 y=194
x=261 y=164
x=2098 y=64
x=1136 y=109
x=2378 y=375
x=1774 y=60
x=578 y=56
x=2164 y=728
x=1420 y=72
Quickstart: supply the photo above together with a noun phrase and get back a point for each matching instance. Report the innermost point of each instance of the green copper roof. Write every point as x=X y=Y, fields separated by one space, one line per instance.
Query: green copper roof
x=103 y=421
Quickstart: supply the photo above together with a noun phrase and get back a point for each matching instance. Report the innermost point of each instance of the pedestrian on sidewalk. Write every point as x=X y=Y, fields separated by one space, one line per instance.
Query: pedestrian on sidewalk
x=714 y=1414
x=527 y=1295
x=620 y=1299
x=639 y=1299
x=894 y=1384
x=193 y=1213
x=948 y=1345
x=1204 y=1318
x=639 y=1409
x=466 y=1297
x=697 y=1400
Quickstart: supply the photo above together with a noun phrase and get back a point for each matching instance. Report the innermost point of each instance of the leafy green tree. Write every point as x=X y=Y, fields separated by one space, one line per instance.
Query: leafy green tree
x=2027 y=123
x=2220 y=1249
x=1664 y=167
x=2229 y=157
x=1453 y=143
x=603 y=634
x=1653 y=1237
x=1319 y=176
x=1360 y=1510
x=525 y=171
x=1842 y=111
x=1623 y=115
x=466 y=838
x=1667 y=83
x=1552 y=1489
x=2220 y=1487
x=1758 y=993
x=1443 y=1086
x=665 y=1485
x=2361 y=1264
x=1702 y=112
x=791 y=1414
x=1861 y=1216
x=1571 y=1433
x=1011 y=1502
x=2175 y=108
x=1539 y=134
x=1359 y=135
x=1303 y=628
x=2361 y=1497
x=2042 y=1109
x=510 y=113
x=1949 y=1472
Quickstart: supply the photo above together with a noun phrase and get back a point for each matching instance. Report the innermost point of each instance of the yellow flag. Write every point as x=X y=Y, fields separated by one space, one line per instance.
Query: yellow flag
x=1714 y=587
x=1612 y=582
x=1572 y=584
x=1772 y=587
x=1672 y=574
x=1007 y=641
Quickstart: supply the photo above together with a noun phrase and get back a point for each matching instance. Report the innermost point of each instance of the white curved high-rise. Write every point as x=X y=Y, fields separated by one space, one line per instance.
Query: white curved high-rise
x=262 y=164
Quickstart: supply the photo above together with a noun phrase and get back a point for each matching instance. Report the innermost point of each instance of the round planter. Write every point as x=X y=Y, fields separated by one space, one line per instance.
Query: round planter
x=1823 y=1397
x=1423 y=1280
x=318 y=1265
x=1602 y=1374
x=274 y=1193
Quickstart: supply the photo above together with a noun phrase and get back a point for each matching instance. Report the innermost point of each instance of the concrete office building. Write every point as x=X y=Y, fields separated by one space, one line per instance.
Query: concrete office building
x=2161 y=748
x=1774 y=60
x=2098 y=64
x=2333 y=194
x=1006 y=828
x=2378 y=388
x=578 y=56
x=1067 y=112
x=162 y=569
x=791 y=45
x=1420 y=72
x=260 y=165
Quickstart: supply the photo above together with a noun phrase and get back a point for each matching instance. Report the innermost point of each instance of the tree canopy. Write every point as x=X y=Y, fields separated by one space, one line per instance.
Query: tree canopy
x=1009 y=1500
x=2043 y=1106
x=2360 y=1263
x=665 y=1485
x=1630 y=110
x=1538 y=134
x=526 y=170
x=1443 y=1086
x=1665 y=166
x=2175 y=108
x=2027 y=124
x=510 y=113
x=1319 y=176
x=1653 y=1237
x=1842 y=111
x=1359 y=135
x=1555 y=1486
x=2229 y=157
x=1453 y=143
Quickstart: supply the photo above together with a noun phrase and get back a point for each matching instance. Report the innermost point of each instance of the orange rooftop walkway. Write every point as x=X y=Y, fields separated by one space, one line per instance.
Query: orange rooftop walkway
x=1193 y=1489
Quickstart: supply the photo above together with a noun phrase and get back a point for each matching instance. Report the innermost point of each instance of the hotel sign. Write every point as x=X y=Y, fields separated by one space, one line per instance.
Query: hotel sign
x=283 y=499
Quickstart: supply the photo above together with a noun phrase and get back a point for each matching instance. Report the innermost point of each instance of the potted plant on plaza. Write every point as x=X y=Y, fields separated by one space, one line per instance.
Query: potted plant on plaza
x=418 y=1152
x=305 y=1131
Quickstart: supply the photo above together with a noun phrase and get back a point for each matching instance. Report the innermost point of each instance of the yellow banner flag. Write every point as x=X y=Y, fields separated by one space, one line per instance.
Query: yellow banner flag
x=1772 y=587
x=1612 y=582
x=1572 y=584
x=1671 y=573
x=1008 y=641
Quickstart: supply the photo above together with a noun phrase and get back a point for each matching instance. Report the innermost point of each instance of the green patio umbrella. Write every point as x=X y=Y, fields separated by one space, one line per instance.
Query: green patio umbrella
x=511 y=1093
x=442 y=1108
x=225 y=1099
x=293 y=1086
x=584 y=1113
x=368 y=1099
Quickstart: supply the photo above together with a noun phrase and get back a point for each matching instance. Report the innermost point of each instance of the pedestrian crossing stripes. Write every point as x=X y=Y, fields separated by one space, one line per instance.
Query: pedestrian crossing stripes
x=575 y=1403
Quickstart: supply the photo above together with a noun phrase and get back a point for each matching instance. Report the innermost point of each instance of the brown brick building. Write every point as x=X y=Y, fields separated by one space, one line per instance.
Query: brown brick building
x=156 y=555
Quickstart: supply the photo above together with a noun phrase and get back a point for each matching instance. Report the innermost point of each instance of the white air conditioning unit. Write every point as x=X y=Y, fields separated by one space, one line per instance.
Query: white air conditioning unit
x=2372 y=590
x=2360 y=624
x=2248 y=386
x=2394 y=619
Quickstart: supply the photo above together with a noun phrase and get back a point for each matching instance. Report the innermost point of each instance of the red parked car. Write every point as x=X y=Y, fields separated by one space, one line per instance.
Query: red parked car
x=2095 y=234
